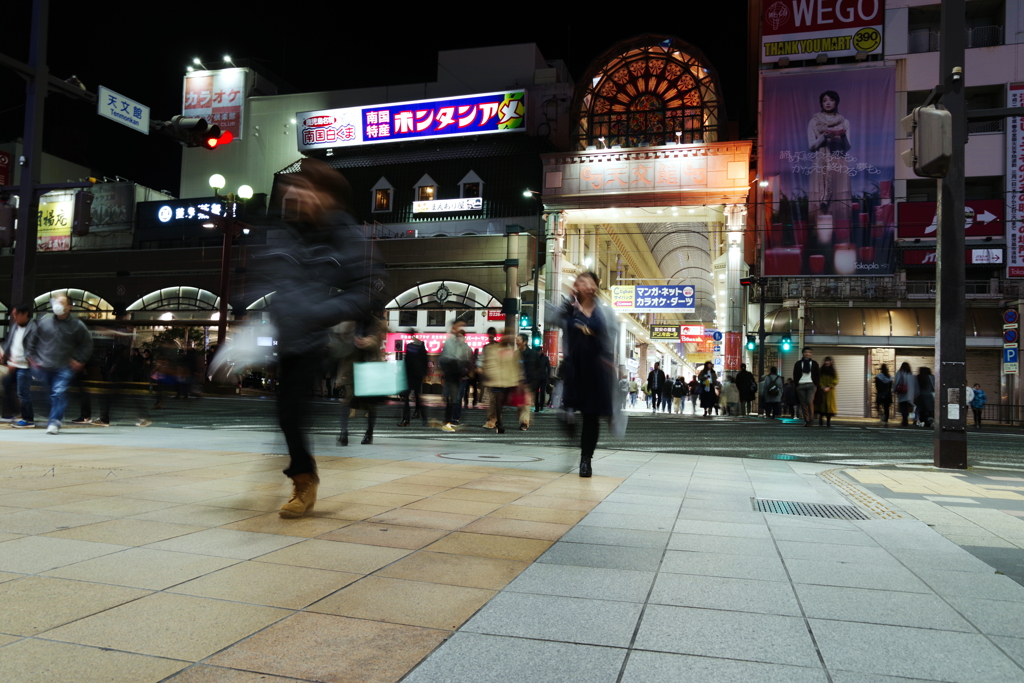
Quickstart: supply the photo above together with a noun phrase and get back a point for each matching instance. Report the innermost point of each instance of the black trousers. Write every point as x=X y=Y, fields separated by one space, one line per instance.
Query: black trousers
x=117 y=399
x=297 y=374
x=420 y=408
x=588 y=438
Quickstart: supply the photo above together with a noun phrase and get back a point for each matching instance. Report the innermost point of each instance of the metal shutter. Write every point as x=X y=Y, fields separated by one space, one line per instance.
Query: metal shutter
x=985 y=368
x=852 y=389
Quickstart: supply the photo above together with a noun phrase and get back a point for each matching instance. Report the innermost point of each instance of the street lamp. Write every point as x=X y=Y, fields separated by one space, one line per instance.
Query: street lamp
x=229 y=228
x=541 y=239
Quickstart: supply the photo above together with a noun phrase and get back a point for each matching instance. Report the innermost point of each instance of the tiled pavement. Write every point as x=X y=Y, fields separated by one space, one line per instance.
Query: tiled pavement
x=124 y=562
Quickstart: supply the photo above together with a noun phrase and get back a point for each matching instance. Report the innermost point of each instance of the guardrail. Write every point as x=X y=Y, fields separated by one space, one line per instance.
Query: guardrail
x=1012 y=415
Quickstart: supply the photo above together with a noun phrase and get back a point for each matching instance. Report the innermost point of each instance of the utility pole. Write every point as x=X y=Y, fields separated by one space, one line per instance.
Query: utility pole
x=950 y=443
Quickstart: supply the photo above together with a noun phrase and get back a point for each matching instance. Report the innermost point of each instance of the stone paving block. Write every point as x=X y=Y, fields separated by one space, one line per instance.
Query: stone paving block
x=659 y=667
x=728 y=503
x=723 y=544
x=731 y=516
x=959 y=561
x=239 y=545
x=1012 y=646
x=767 y=568
x=584 y=582
x=626 y=537
x=603 y=556
x=476 y=658
x=546 y=617
x=618 y=496
x=719 y=593
x=912 y=652
x=880 y=607
x=985 y=586
x=855 y=575
x=794 y=550
x=829 y=537
x=729 y=635
x=36 y=554
x=616 y=521
x=636 y=510
x=855 y=677
x=692 y=526
x=41 y=661
x=992 y=617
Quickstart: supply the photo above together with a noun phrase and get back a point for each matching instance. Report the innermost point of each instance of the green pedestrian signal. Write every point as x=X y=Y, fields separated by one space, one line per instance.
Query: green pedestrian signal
x=787 y=343
x=751 y=342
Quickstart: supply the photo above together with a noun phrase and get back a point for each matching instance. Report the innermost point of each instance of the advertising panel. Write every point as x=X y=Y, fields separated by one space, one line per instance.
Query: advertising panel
x=670 y=332
x=973 y=257
x=448 y=205
x=983 y=218
x=829 y=164
x=112 y=207
x=733 y=351
x=54 y=221
x=1015 y=185
x=498 y=112
x=217 y=96
x=434 y=341
x=804 y=29
x=654 y=298
x=693 y=334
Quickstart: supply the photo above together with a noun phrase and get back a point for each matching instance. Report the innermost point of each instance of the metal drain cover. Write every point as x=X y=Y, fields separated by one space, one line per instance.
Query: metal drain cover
x=489 y=457
x=790 y=507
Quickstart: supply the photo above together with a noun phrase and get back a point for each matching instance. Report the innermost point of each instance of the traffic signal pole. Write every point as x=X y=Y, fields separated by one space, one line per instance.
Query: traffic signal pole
x=950 y=443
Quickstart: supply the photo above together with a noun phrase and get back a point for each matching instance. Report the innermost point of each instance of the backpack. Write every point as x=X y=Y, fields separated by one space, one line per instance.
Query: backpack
x=773 y=388
x=901 y=386
x=753 y=387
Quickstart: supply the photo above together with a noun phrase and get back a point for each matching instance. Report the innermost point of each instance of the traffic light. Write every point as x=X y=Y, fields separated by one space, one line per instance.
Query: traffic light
x=195 y=132
x=81 y=217
x=524 y=321
x=538 y=341
x=748 y=281
x=932 y=150
x=751 y=342
x=786 y=344
x=6 y=225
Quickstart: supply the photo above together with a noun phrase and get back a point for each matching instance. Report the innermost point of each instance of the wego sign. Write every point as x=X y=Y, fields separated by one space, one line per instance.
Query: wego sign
x=803 y=29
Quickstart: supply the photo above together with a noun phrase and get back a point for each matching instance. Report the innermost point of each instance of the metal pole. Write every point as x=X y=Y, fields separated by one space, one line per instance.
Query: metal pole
x=228 y=228
x=541 y=245
x=761 y=333
x=23 y=276
x=510 y=306
x=950 y=314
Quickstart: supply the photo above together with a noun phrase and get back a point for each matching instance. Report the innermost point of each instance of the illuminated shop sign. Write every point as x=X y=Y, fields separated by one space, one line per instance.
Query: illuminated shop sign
x=445 y=205
x=499 y=112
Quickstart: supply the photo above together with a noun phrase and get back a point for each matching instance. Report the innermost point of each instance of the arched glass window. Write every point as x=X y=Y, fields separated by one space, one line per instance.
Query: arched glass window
x=649 y=91
x=178 y=299
x=446 y=293
x=84 y=304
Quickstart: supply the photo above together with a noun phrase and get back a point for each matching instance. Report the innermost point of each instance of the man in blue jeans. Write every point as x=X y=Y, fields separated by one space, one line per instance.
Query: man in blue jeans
x=57 y=350
x=18 y=380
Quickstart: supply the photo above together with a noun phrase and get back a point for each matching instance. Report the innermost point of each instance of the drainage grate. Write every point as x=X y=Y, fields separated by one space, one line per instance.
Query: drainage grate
x=789 y=507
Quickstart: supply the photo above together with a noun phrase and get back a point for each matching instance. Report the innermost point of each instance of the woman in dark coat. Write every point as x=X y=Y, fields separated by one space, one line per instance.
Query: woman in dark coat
x=926 y=397
x=589 y=368
x=708 y=380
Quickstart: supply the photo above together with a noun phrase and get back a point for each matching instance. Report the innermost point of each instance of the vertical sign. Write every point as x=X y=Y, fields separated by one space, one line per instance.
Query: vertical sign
x=1015 y=186
x=733 y=351
x=217 y=96
x=54 y=221
x=5 y=169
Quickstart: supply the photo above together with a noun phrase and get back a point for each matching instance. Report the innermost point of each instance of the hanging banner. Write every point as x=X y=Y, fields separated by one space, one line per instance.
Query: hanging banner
x=113 y=207
x=217 y=96
x=54 y=223
x=804 y=29
x=669 y=332
x=653 y=298
x=828 y=158
x=1015 y=185
x=497 y=112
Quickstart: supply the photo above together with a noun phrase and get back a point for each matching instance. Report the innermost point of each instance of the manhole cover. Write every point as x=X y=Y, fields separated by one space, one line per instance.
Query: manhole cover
x=789 y=507
x=488 y=457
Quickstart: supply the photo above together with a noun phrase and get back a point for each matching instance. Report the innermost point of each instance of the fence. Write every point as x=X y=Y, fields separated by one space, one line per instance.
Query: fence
x=1001 y=414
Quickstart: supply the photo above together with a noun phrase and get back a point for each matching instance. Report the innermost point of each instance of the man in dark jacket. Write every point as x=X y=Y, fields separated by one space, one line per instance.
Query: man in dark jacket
x=656 y=384
x=807 y=380
x=415 y=371
x=321 y=275
x=58 y=349
x=747 y=385
x=18 y=380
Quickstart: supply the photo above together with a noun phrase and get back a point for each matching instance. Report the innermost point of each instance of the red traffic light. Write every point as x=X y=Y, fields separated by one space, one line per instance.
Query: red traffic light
x=215 y=138
x=748 y=281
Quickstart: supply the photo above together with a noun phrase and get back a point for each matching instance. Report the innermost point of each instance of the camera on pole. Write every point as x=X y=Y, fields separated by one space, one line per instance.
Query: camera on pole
x=932 y=151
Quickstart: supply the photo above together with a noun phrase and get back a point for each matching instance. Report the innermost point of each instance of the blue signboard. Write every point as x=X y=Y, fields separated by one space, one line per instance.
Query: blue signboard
x=449 y=117
x=1011 y=355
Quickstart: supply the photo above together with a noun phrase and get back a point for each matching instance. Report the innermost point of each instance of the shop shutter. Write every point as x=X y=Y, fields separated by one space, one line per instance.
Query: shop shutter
x=852 y=369
x=985 y=368
x=916 y=359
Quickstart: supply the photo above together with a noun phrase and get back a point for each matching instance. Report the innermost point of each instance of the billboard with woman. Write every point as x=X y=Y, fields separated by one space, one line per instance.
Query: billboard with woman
x=829 y=154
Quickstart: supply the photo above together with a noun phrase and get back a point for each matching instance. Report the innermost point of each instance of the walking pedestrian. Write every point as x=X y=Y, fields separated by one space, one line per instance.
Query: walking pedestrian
x=322 y=272
x=590 y=337
x=367 y=339
x=747 y=386
x=708 y=379
x=17 y=383
x=456 y=363
x=117 y=370
x=503 y=376
x=790 y=398
x=543 y=378
x=623 y=388
x=906 y=391
x=772 y=392
x=925 y=401
x=826 y=398
x=530 y=370
x=679 y=391
x=806 y=378
x=415 y=370
x=731 y=396
x=646 y=389
x=633 y=388
x=977 y=404
x=58 y=348
x=694 y=391
x=883 y=393
x=656 y=384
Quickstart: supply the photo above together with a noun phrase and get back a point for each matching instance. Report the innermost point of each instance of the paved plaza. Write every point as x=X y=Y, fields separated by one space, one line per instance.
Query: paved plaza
x=156 y=554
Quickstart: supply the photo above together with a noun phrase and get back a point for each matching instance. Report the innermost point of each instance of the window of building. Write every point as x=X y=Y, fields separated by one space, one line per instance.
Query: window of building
x=435 y=318
x=471 y=185
x=383 y=196
x=425 y=190
x=407 y=318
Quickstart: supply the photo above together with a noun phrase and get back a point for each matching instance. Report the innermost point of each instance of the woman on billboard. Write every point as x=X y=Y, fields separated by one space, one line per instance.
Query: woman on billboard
x=828 y=135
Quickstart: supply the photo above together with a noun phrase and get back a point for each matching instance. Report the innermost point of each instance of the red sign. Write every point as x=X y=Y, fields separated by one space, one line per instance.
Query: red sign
x=984 y=218
x=973 y=257
x=217 y=96
x=5 y=168
x=733 y=351
x=434 y=341
x=806 y=16
x=495 y=315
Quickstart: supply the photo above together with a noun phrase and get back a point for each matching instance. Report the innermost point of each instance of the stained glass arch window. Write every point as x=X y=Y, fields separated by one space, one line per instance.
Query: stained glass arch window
x=648 y=91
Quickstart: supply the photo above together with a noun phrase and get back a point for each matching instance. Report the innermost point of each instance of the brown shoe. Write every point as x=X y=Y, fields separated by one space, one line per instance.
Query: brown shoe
x=303 y=498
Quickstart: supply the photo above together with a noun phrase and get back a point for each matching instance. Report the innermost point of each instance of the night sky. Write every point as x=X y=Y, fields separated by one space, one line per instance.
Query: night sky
x=142 y=53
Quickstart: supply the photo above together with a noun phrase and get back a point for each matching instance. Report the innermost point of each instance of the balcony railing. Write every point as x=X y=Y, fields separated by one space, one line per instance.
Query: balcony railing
x=877 y=289
x=927 y=40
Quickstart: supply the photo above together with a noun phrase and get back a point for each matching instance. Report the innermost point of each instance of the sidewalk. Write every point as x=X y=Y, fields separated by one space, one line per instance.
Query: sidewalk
x=442 y=561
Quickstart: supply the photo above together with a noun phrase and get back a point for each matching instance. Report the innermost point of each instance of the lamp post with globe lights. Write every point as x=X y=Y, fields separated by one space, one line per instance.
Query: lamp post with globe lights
x=230 y=227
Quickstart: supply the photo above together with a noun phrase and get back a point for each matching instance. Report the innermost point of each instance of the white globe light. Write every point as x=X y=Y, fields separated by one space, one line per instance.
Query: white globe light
x=245 y=192
x=217 y=181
